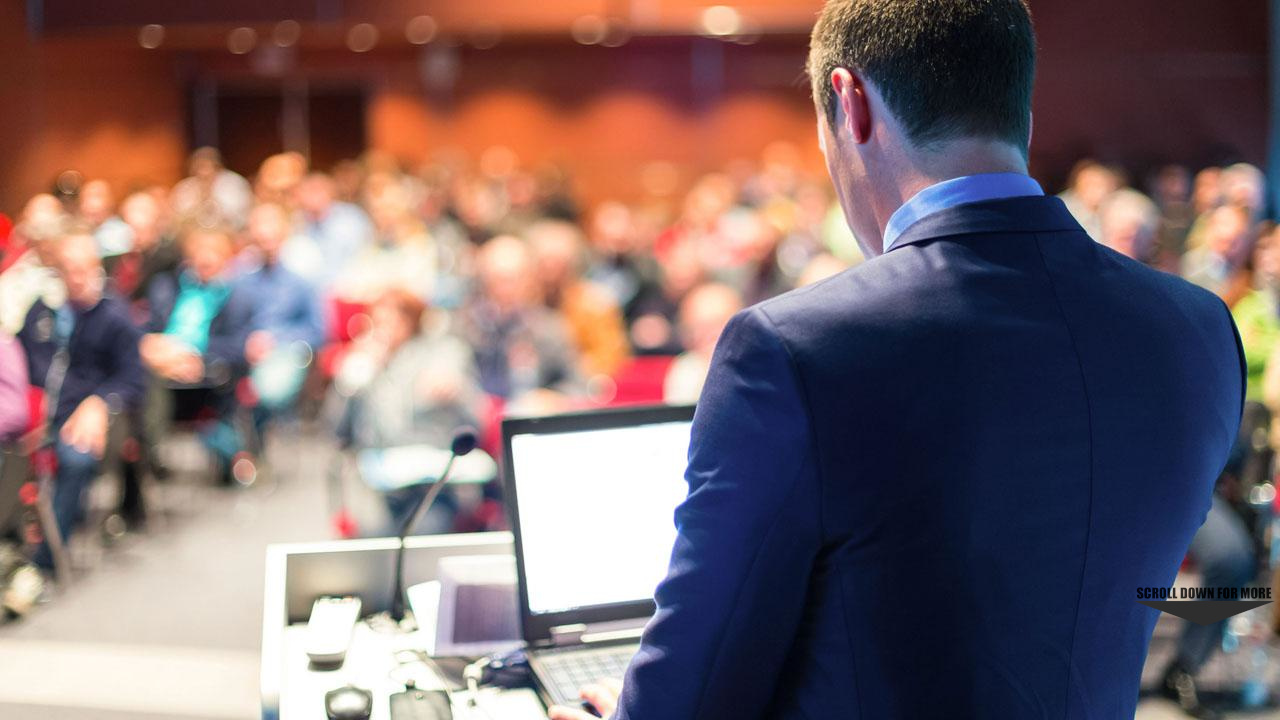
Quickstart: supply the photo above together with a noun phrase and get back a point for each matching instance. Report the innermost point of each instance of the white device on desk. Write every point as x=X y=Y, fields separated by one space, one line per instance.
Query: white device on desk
x=329 y=629
x=592 y=498
x=474 y=604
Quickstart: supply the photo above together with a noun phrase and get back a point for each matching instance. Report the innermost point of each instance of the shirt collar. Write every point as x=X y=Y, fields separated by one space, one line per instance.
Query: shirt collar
x=957 y=191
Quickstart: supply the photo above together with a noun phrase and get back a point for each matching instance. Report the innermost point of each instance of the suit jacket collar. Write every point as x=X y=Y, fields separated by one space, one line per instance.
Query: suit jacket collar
x=1008 y=215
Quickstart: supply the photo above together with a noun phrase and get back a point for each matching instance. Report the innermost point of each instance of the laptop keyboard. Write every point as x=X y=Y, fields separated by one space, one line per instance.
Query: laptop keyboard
x=564 y=671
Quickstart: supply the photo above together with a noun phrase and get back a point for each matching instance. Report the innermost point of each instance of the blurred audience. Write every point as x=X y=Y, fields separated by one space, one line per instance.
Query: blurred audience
x=408 y=302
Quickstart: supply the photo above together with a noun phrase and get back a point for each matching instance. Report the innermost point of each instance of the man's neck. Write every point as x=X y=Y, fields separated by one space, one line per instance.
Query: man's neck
x=959 y=158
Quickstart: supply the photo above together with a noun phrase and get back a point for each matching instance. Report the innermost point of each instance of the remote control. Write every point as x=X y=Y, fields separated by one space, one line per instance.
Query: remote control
x=329 y=629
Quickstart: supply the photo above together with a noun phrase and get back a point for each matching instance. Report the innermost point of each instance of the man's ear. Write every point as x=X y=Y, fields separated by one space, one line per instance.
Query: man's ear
x=852 y=105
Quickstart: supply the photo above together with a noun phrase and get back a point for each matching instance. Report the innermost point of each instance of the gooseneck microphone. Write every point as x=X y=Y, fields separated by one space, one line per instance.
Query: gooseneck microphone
x=464 y=441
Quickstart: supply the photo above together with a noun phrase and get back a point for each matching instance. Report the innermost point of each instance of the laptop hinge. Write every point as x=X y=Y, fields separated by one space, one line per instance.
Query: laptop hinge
x=568 y=634
x=583 y=634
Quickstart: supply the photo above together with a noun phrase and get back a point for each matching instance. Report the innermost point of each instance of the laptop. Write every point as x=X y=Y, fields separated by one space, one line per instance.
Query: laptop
x=592 y=498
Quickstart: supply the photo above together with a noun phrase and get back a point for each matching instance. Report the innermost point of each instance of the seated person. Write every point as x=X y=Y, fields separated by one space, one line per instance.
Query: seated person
x=408 y=391
x=523 y=350
x=332 y=232
x=287 y=327
x=154 y=251
x=31 y=275
x=703 y=314
x=1212 y=265
x=591 y=313
x=195 y=341
x=13 y=388
x=103 y=374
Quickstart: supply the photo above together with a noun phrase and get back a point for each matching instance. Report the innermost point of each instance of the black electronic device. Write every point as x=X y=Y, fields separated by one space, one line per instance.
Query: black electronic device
x=415 y=704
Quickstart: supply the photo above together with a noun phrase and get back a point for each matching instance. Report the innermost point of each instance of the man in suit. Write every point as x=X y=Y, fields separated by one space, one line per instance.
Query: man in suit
x=929 y=486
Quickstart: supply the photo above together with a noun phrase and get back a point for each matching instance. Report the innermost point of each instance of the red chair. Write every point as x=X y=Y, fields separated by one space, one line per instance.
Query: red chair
x=346 y=320
x=641 y=380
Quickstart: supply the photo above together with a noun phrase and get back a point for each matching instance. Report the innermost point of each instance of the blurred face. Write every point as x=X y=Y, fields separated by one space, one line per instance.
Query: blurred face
x=1208 y=189
x=96 y=201
x=1243 y=185
x=315 y=195
x=555 y=251
x=1173 y=184
x=81 y=270
x=1094 y=184
x=613 y=231
x=279 y=175
x=1227 y=229
x=42 y=208
x=682 y=270
x=388 y=205
x=142 y=213
x=704 y=315
x=1267 y=257
x=1128 y=226
x=1121 y=232
x=505 y=271
x=207 y=253
x=269 y=228
x=389 y=325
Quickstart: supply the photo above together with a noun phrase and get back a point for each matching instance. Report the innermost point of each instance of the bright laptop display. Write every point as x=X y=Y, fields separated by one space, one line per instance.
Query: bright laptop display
x=594 y=497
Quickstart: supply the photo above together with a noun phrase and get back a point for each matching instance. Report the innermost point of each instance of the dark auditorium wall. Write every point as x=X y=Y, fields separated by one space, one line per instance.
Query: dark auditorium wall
x=699 y=105
x=1151 y=81
x=105 y=108
x=1135 y=81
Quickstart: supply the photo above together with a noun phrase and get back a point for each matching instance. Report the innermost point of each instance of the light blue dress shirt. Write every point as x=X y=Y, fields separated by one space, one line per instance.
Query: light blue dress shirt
x=957 y=191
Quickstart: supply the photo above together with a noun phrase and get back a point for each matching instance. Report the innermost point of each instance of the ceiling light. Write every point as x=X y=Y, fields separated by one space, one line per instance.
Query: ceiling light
x=721 y=20
x=421 y=30
x=150 y=36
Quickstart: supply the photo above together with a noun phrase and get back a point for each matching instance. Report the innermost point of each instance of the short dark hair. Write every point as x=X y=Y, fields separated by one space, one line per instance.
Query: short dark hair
x=946 y=68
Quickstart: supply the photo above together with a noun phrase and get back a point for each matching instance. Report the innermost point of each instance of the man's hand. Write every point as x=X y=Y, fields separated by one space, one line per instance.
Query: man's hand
x=155 y=350
x=170 y=359
x=258 y=346
x=603 y=696
x=86 y=429
x=187 y=367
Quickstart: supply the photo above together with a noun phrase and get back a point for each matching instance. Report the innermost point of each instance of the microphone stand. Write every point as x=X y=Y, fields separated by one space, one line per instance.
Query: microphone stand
x=463 y=443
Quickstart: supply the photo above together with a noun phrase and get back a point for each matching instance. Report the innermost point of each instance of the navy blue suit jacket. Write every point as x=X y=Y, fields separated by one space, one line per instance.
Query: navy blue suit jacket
x=930 y=486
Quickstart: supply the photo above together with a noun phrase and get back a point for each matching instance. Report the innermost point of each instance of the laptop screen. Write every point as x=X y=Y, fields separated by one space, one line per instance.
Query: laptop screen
x=595 y=511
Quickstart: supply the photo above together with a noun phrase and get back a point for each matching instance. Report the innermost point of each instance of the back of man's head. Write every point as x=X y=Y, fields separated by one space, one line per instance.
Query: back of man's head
x=947 y=69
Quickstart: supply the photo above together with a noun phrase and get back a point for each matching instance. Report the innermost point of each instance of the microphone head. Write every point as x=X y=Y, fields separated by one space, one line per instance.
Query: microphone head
x=464 y=441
